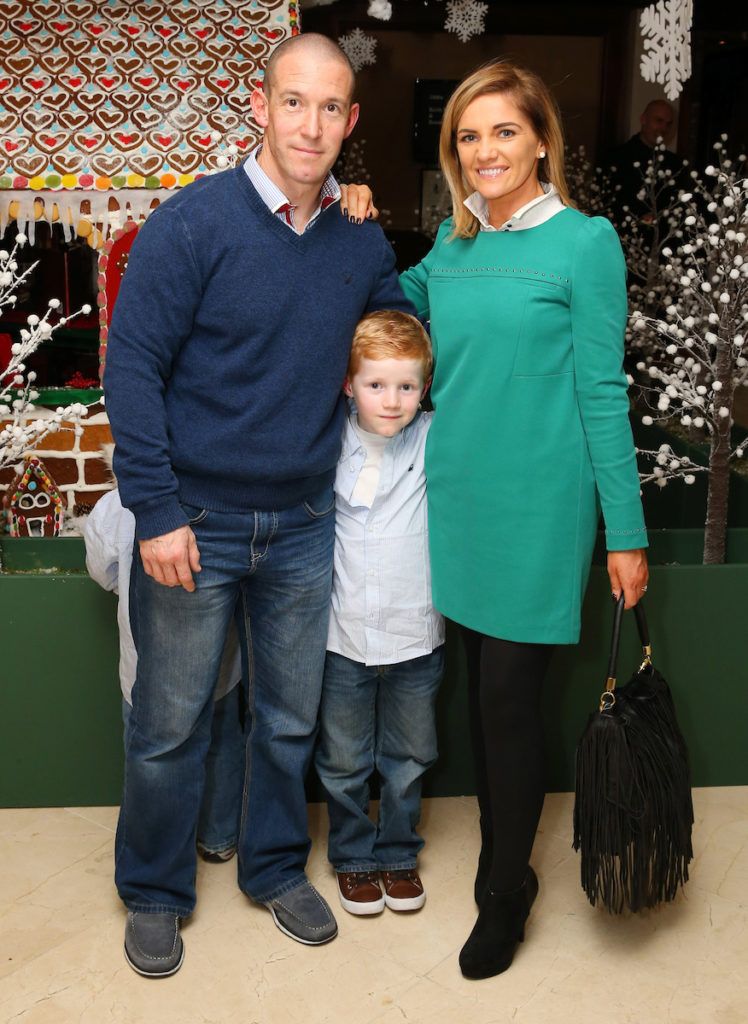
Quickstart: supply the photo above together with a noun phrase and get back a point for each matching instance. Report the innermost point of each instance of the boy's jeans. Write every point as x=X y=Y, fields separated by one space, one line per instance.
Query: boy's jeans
x=221 y=808
x=280 y=565
x=377 y=716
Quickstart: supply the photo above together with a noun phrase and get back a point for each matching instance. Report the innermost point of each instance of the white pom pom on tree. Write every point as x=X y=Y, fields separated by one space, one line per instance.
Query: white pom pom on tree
x=697 y=357
x=22 y=426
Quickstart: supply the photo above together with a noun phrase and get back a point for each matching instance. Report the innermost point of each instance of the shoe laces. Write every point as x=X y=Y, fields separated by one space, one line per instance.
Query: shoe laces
x=407 y=874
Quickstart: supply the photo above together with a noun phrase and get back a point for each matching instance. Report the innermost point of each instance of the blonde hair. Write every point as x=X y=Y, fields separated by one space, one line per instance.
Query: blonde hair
x=390 y=334
x=534 y=99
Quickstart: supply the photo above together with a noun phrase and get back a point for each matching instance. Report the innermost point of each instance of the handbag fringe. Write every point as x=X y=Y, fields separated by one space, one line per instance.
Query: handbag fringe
x=633 y=812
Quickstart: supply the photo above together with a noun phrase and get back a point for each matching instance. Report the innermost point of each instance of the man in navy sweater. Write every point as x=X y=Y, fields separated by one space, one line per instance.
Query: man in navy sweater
x=227 y=352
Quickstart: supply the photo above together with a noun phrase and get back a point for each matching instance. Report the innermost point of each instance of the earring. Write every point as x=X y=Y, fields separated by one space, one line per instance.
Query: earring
x=542 y=155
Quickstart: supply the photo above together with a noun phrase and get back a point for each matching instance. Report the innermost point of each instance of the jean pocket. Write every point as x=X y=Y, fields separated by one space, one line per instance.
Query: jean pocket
x=194 y=513
x=321 y=504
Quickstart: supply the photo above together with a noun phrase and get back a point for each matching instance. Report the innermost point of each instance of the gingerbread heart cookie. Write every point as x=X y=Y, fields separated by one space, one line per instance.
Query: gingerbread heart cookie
x=30 y=166
x=108 y=164
x=146 y=119
x=109 y=117
x=67 y=162
x=145 y=164
x=164 y=141
x=184 y=161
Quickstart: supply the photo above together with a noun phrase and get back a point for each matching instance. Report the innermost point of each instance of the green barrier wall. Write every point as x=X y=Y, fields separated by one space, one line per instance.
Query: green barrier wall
x=60 y=703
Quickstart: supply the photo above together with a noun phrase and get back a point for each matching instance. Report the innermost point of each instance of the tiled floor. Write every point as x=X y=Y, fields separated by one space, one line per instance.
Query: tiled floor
x=61 y=929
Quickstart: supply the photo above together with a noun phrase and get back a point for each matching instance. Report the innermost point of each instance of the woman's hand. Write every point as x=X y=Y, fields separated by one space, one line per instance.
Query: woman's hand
x=356 y=203
x=628 y=572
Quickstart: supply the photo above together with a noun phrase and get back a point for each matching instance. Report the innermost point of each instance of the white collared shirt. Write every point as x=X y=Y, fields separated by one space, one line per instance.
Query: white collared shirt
x=381 y=596
x=277 y=202
x=536 y=212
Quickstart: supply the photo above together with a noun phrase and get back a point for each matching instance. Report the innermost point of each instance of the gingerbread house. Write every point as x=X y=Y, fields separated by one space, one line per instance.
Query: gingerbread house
x=34 y=505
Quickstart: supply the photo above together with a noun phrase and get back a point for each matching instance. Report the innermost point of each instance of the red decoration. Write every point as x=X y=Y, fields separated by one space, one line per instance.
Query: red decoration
x=112 y=266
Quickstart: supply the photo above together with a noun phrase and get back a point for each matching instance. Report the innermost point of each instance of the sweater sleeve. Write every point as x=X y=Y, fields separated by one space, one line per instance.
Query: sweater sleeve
x=415 y=281
x=386 y=292
x=152 y=319
x=598 y=321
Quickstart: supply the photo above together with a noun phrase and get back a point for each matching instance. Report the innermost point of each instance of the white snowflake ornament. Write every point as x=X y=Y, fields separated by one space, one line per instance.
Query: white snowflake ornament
x=358 y=48
x=465 y=18
x=666 y=37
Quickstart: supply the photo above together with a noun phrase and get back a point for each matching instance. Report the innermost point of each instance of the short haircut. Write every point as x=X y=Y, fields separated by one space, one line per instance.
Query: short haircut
x=321 y=46
x=390 y=334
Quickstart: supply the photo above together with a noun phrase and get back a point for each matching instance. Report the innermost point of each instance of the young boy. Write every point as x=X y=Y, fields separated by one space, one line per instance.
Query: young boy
x=385 y=645
x=109 y=534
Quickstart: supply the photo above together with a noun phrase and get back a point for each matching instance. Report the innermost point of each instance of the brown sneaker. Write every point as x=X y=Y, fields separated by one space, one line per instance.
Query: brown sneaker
x=360 y=893
x=403 y=890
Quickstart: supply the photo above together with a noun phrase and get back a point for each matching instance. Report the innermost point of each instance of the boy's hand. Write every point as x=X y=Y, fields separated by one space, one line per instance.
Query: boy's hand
x=172 y=558
x=356 y=203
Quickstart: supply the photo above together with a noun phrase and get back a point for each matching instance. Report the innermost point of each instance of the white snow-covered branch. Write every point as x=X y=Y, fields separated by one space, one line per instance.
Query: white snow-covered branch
x=695 y=357
x=19 y=433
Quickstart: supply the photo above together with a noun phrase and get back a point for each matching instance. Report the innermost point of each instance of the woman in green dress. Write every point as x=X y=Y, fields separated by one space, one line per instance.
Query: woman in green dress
x=529 y=442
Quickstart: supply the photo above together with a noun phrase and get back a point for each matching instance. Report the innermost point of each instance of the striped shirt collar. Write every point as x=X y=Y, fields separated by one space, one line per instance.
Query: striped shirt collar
x=274 y=198
x=536 y=212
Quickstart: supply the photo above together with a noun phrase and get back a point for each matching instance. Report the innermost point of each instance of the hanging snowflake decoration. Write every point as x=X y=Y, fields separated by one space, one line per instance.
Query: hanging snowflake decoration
x=666 y=36
x=381 y=9
x=358 y=48
x=466 y=18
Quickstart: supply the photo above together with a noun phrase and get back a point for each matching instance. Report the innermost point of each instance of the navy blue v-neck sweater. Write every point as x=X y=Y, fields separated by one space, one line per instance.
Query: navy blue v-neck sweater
x=228 y=348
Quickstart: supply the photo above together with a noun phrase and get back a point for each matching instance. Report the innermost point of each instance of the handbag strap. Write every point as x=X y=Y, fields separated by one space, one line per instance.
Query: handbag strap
x=607 y=699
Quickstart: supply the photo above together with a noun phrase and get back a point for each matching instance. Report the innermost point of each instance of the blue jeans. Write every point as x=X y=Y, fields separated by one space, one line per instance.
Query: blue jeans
x=221 y=808
x=376 y=716
x=279 y=565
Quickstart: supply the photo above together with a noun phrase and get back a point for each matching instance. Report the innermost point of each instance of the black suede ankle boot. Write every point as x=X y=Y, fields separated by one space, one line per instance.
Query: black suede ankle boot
x=499 y=929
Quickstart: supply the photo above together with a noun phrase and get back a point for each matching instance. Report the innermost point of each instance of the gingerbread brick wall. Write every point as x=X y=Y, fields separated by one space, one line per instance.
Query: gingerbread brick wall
x=75 y=463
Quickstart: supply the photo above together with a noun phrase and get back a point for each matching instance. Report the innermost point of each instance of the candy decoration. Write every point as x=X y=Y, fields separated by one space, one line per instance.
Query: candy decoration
x=33 y=503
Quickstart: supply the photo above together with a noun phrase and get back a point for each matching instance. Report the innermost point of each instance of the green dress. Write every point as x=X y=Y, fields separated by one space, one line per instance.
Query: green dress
x=531 y=435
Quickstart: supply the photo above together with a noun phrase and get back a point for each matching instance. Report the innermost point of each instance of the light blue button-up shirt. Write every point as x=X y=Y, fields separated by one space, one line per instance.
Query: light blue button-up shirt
x=381 y=596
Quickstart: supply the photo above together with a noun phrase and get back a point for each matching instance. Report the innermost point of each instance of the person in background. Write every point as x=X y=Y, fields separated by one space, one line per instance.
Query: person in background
x=385 y=647
x=109 y=535
x=626 y=166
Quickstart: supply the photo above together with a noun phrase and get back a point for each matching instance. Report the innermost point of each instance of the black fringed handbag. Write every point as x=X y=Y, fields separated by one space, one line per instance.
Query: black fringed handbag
x=633 y=813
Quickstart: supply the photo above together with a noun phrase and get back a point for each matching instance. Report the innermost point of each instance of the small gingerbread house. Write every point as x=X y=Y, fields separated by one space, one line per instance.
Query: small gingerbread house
x=33 y=503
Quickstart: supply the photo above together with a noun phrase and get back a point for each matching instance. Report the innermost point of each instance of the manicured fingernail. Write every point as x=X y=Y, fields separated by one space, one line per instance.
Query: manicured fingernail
x=345 y=211
x=352 y=220
x=360 y=220
x=369 y=215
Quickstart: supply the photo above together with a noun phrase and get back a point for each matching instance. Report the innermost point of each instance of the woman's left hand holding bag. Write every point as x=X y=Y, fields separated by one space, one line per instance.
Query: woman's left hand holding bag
x=629 y=573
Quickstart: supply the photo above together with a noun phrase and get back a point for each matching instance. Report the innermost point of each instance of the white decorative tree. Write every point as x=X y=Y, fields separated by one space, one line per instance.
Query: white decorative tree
x=22 y=426
x=696 y=345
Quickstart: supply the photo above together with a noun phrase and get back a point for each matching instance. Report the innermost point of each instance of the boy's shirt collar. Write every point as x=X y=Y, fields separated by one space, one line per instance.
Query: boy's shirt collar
x=352 y=441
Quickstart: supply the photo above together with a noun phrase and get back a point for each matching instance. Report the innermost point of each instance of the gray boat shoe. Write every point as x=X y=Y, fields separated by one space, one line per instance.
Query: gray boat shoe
x=153 y=945
x=304 y=915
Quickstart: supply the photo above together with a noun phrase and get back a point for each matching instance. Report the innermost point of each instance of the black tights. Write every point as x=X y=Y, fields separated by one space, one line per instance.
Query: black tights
x=504 y=686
